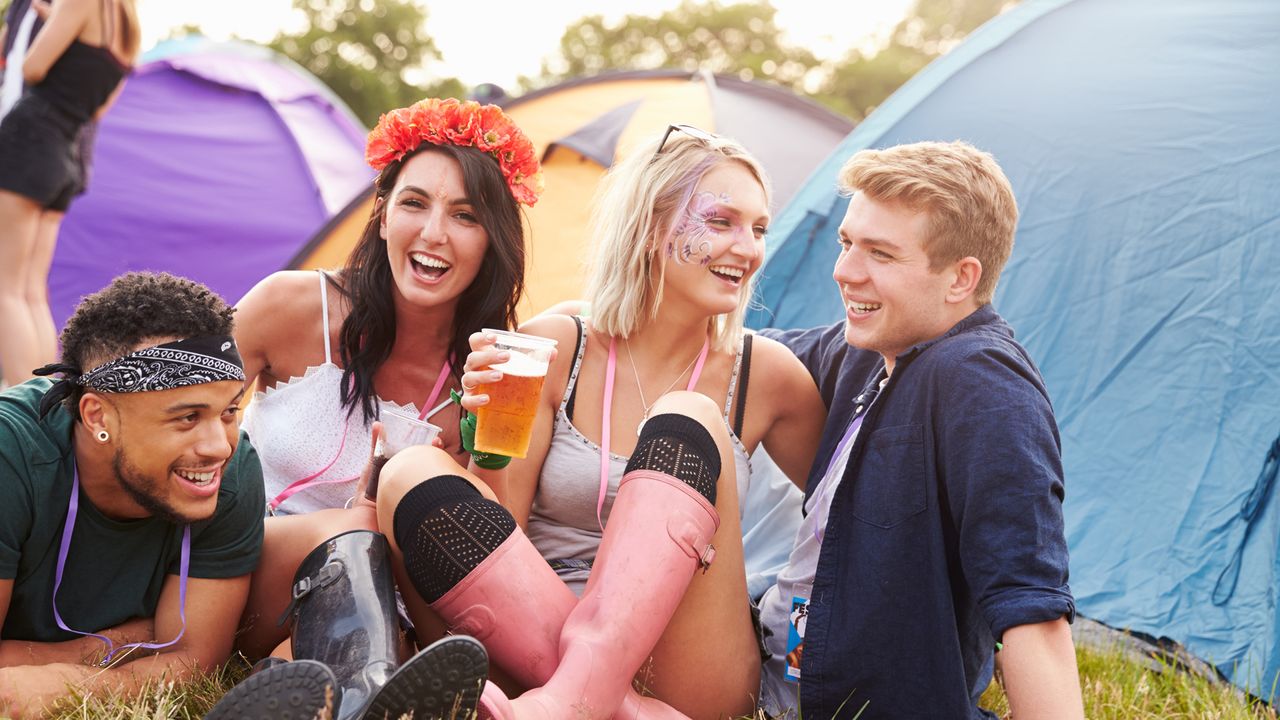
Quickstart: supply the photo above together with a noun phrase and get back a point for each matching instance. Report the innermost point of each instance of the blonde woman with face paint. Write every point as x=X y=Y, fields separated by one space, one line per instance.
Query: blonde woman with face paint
x=647 y=418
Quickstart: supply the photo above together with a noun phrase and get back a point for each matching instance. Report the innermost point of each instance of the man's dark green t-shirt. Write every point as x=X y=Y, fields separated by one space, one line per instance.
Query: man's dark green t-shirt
x=115 y=569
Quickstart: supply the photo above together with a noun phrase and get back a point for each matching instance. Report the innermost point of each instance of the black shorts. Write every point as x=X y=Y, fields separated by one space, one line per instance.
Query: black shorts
x=39 y=153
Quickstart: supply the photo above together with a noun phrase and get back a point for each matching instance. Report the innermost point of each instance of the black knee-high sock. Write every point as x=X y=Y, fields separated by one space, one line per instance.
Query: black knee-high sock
x=445 y=529
x=681 y=447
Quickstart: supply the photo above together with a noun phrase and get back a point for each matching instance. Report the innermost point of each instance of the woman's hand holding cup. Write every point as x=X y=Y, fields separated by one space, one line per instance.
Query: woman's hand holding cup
x=478 y=369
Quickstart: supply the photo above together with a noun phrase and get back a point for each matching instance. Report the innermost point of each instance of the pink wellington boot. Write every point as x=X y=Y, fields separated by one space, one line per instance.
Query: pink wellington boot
x=658 y=535
x=516 y=605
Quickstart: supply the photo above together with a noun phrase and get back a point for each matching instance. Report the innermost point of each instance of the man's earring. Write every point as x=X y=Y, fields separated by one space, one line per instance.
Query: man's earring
x=103 y=436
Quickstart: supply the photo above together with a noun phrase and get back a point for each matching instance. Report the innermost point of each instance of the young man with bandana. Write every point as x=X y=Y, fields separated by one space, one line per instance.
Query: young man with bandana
x=130 y=506
x=933 y=534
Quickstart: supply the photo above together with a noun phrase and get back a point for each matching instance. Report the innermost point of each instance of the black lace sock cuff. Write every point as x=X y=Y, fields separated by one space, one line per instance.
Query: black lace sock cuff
x=445 y=529
x=681 y=447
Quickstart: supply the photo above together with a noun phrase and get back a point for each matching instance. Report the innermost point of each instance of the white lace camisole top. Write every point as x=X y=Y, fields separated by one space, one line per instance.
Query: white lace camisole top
x=300 y=429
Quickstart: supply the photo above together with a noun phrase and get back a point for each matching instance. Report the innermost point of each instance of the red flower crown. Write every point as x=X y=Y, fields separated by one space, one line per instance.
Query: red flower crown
x=466 y=124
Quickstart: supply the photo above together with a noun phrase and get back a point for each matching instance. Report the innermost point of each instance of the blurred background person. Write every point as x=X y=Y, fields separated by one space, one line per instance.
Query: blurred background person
x=72 y=72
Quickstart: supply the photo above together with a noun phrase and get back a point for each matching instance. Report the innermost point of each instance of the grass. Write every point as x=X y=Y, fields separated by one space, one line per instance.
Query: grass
x=1115 y=688
x=185 y=701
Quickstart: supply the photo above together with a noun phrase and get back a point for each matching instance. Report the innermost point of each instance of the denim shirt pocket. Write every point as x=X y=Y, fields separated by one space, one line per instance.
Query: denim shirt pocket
x=891 y=483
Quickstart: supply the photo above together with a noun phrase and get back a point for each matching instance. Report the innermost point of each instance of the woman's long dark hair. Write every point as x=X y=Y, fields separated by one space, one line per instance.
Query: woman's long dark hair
x=369 y=331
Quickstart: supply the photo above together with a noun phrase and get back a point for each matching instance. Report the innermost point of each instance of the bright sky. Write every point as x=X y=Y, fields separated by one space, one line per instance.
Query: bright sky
x=497 y=40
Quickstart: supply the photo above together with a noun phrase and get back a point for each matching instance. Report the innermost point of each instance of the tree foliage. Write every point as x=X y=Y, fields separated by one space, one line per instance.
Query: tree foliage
x=741 y=39
x=744 y=39
x=181 y=31
x=368 y=52
x=857 y=85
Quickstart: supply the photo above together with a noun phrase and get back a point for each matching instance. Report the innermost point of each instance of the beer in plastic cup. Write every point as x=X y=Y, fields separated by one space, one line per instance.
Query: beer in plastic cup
x=505 y=424
x=399 y=431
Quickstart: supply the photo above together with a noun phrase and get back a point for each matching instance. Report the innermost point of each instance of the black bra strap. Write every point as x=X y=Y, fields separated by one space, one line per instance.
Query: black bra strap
x=744 y=373
x=573 y=391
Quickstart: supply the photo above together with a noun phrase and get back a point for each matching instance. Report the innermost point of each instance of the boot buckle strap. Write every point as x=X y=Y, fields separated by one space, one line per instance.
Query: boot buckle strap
x=301 y=589
x=325 y=576
x=708 y=555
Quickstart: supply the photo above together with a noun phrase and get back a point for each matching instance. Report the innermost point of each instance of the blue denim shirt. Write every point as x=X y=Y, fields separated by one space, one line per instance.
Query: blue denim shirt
x=946 y=529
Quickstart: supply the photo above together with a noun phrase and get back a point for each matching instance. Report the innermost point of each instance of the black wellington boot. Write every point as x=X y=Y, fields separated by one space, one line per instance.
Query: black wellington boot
x=345 y=640
x=344 y=615
x=283 y=691
x=442 y=682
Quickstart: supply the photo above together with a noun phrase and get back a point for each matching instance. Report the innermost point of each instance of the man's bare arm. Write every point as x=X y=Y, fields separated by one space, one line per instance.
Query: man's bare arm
x=83 y=650
x=1038 y=662
x=212 y=611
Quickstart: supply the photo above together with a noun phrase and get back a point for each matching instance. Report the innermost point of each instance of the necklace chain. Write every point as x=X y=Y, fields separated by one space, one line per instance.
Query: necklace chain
x=640 y=388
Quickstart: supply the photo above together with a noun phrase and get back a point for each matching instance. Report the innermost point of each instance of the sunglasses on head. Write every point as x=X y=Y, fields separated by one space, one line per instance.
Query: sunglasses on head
x=689 y=130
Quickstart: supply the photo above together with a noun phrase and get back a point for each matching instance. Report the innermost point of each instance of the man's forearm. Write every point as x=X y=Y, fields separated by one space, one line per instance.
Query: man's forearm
x=1040 y=677
x=26 y=691
x=82 y=650
x=27 y=652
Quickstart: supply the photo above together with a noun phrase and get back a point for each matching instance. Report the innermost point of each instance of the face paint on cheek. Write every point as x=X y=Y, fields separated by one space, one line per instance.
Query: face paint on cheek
x=690 y=242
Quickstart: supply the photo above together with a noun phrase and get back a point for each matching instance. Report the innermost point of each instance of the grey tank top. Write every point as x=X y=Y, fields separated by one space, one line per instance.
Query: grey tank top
x=562 y=519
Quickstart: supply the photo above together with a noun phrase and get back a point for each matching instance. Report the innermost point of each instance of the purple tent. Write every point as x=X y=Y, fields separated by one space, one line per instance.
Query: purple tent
x=218 y=161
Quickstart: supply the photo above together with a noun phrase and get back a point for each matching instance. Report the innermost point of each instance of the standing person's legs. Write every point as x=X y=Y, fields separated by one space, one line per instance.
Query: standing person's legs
x=19 y=226
x=38 y=287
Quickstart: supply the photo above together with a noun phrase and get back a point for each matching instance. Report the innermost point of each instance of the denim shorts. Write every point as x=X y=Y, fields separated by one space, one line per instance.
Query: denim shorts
x=39 y=155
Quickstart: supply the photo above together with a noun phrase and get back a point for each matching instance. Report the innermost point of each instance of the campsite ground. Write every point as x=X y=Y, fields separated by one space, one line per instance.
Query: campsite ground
x=1115 y=688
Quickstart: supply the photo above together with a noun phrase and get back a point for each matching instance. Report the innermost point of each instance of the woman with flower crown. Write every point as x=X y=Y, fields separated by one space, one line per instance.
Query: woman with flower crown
x=620 y=561
x=441 y=256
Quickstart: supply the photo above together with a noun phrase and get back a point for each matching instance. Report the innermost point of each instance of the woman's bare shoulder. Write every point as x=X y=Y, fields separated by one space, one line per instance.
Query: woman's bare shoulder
x=560 y=328
x=770 y=350
x=284 y=297
x=776 y=366
x=282 y=312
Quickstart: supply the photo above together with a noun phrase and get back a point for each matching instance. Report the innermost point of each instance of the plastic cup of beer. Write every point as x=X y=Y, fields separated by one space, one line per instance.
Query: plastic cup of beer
x=505 y=424
x=400 y=430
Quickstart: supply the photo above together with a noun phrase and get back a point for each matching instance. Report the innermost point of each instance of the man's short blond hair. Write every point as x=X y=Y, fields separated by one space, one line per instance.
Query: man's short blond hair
x=968 y=199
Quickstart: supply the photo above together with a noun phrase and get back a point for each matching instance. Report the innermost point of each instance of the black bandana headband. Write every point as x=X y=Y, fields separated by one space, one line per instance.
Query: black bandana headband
x=182 y=363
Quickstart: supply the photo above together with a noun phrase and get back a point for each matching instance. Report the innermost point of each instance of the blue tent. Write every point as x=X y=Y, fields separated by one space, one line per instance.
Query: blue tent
x=1142 y=138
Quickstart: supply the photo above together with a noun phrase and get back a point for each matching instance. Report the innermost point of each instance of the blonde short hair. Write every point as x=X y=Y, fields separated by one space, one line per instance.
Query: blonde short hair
x=635 y=211
x=969 y=201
